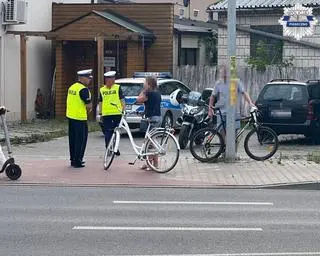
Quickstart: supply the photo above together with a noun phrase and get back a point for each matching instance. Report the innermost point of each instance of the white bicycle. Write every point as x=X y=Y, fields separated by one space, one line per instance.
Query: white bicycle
x=160 y=148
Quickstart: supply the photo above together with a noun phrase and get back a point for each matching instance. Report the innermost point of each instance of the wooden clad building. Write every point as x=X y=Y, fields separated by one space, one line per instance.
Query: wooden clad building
x=121 y=37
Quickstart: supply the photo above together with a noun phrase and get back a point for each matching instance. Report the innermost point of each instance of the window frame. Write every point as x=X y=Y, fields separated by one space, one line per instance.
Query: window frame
x=273 y=56
x=184 y=56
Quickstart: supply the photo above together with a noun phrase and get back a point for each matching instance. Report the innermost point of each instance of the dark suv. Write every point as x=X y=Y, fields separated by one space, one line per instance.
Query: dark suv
x=291 y=107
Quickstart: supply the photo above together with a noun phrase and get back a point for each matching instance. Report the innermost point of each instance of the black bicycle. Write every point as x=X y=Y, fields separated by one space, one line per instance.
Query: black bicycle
x=260 y=143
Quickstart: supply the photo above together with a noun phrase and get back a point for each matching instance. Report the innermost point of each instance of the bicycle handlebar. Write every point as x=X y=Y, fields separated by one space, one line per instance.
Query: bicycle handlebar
x=253 y=109
x=124 y=112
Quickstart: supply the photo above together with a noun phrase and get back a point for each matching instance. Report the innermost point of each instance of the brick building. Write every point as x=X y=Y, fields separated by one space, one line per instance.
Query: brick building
x=256 y=16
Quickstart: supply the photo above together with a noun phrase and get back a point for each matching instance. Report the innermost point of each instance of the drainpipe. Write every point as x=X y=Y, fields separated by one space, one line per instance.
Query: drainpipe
x=2 y=62
x=145 y=59
x=179 y=48
x=2 y=71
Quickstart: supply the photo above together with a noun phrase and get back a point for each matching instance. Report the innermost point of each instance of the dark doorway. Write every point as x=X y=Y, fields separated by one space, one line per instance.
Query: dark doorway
x=115 y=53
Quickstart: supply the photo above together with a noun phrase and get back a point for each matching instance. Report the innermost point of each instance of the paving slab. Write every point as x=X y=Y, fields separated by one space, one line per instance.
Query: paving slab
x=188 y=173
x=48 y=163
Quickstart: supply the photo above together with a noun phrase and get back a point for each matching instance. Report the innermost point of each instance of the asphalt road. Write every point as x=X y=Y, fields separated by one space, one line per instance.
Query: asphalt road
x=133 y=221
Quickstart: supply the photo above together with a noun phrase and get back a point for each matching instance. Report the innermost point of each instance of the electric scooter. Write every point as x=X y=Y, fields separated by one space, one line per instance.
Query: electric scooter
x=12 y=170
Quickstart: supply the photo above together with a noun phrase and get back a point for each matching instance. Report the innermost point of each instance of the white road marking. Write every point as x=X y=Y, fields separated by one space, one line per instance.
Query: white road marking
x=163 y=228
x=241 y=254
x=192 y=203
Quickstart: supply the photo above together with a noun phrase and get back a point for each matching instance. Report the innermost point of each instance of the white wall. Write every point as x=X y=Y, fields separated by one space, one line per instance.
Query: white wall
x=200 y=5
x=304 y=56
x=190 y=41
x=39 y=75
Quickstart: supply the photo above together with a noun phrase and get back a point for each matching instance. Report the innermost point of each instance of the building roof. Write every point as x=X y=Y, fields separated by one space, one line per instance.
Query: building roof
x=125 y=22
x=251 y=4
x=113 y=1
x=119 y=20
x=193 y=26
x=192 y=29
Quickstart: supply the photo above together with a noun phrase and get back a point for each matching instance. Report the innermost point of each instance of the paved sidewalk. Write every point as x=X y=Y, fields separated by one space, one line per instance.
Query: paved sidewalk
x=188 y=172
x=48 y=163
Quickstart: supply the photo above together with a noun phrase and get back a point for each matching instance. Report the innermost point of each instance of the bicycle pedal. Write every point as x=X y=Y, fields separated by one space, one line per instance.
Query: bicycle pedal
x=131 y=163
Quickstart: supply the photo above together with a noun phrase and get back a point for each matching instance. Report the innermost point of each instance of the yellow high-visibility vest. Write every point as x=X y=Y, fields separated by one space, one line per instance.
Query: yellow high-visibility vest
x=110 y=96
x=76 y=108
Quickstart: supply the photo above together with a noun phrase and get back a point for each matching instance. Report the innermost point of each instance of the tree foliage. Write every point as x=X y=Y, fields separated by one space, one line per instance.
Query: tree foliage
x=211 y=42
x=265 y=57
x=260 y=60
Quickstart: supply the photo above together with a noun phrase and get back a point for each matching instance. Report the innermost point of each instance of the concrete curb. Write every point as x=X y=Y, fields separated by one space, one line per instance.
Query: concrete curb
x=313 y=185
x=298 y=186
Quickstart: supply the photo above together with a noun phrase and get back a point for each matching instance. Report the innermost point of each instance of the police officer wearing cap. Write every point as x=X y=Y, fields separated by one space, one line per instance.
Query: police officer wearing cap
x=111 y=114
x=78 y=102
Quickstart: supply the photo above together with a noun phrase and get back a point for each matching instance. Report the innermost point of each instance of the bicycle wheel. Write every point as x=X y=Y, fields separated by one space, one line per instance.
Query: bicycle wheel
x=109 y=154
x=162 y=152
x=206 y=144
x=261 y=143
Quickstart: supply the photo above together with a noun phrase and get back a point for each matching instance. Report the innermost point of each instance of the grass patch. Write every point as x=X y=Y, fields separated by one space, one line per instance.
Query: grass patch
x=41 y=130
x=314 y=157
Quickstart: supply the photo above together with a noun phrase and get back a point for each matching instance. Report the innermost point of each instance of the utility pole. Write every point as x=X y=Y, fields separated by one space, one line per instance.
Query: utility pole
x=232 y=81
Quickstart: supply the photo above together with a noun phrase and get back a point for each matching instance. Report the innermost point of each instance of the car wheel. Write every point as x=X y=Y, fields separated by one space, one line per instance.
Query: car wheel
x=315 y=136
x=167 y=121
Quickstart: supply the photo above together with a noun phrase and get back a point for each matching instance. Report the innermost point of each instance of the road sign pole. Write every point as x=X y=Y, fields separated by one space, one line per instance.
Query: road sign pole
x=231 y=78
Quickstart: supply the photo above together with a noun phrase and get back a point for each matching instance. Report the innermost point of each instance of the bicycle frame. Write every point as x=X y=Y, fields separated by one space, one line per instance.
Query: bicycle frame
x=252 y=120
x=137 y=149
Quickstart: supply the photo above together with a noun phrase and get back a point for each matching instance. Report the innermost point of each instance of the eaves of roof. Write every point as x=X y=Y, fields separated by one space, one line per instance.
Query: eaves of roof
x=261 y=4
x=193 y=29
x=118 y=19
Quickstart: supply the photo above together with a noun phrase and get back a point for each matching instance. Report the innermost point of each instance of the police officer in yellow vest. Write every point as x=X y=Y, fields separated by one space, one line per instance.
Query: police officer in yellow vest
x=111 y=93
x=78 y=102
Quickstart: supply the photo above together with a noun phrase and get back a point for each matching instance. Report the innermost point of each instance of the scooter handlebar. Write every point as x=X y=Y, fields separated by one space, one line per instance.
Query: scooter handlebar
x=3 y=110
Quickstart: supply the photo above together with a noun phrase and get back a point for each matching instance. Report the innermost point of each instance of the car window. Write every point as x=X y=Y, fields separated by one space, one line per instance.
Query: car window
x=131 y=89
x=284 y=92
x=168 y=88
x=183 y=88
x=314 y=91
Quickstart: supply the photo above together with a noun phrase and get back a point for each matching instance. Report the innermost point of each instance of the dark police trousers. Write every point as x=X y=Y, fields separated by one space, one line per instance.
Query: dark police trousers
x=109 y=123
x=78 y=136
